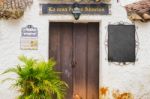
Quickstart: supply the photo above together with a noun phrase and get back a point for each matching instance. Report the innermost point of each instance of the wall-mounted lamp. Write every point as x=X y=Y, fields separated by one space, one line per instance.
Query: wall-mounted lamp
x=76 y=11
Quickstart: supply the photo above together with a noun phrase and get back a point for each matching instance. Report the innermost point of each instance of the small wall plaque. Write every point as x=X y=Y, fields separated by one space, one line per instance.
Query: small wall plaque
x=29 y=38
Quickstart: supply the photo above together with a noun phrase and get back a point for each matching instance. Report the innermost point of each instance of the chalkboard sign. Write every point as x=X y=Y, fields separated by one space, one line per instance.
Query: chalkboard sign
x=121 y=43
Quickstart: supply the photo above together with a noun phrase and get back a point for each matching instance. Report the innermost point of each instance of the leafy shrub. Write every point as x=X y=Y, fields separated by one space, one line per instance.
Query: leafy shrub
x=38 y=79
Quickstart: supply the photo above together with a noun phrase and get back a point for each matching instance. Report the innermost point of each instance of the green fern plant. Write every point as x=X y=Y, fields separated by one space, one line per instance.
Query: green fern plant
x=38 y=79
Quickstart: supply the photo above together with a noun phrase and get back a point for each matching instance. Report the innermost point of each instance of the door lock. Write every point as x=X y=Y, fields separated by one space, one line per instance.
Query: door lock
x=74 y=64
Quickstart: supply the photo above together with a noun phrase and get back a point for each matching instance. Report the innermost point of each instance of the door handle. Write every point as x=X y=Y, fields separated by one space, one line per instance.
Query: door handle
x=74 y=64
x=76 y=96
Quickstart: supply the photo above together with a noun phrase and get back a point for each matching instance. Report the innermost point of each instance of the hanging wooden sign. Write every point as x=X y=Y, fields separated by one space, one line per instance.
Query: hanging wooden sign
x=94 y=8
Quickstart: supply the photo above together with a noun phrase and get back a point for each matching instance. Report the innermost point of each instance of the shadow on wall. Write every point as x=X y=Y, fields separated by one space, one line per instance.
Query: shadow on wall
x=105 y=93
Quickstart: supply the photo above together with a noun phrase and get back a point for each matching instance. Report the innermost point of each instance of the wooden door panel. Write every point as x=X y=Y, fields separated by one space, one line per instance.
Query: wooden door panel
x=80 y=51
x=66 y=56
x=76 y=44
x=54 y=43
x=61 y=50
x=93 y=61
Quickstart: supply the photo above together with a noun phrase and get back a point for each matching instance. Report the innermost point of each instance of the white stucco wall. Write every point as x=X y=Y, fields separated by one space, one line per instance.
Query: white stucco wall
x=131 y=78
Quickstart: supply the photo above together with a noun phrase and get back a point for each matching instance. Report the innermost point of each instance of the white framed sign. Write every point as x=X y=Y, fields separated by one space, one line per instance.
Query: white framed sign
x=29 y=38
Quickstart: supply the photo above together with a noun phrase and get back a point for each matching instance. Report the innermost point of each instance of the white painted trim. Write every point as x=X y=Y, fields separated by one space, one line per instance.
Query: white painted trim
x=76 y=21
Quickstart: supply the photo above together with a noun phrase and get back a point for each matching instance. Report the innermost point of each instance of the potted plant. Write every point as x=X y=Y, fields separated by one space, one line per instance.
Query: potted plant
x=38 y=79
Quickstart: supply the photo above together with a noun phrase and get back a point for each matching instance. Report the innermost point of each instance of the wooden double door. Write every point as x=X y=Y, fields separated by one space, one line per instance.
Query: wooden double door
x=75 y=46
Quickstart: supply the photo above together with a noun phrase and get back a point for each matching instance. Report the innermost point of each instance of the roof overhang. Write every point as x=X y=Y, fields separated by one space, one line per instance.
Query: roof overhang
x=13 y=9
x=139 y=11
